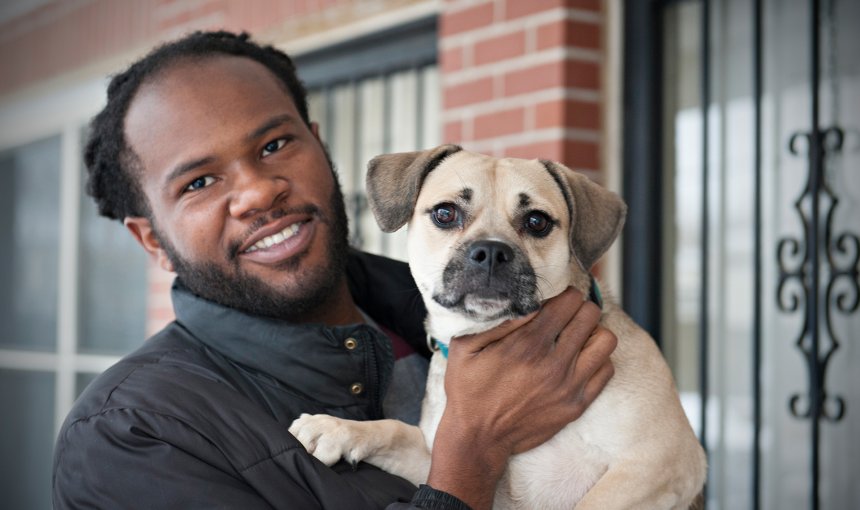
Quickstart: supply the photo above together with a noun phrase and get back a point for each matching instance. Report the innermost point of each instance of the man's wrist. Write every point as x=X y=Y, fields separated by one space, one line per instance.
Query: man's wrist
x=429 y=498
x=465 y=465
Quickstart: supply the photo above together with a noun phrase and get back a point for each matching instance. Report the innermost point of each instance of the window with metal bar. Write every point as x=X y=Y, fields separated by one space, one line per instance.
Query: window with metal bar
x=373 y=95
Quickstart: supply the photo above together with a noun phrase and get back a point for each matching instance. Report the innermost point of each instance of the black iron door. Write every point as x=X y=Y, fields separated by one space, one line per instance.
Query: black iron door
x=742 y=172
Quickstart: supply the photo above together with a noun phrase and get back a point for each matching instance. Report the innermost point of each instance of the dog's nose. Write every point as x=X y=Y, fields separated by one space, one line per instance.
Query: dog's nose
x=490 y=255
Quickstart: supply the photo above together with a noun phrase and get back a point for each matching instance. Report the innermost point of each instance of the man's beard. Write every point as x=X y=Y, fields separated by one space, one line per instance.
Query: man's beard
x=252 y=295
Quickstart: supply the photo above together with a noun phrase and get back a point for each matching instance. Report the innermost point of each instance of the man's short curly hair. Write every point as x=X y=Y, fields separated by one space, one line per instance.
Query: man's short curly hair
x=111 y=164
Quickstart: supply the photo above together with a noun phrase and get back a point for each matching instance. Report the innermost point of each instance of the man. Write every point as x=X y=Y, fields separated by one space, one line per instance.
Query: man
x=206 y=153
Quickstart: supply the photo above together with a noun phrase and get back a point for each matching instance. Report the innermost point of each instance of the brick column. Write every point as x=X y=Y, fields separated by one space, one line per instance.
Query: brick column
x=522 y=78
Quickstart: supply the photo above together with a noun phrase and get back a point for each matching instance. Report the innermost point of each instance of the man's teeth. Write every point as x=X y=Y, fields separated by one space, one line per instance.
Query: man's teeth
x=274 y=239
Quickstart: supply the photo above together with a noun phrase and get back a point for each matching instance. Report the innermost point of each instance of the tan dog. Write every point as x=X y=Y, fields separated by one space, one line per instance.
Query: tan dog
x=489 y=239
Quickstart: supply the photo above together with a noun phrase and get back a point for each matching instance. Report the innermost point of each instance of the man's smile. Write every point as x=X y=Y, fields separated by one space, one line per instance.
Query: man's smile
x=280 y=241
x=269 y=241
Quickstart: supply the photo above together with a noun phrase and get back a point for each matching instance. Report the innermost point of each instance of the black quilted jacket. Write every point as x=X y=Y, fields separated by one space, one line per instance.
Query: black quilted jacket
x=198 y=416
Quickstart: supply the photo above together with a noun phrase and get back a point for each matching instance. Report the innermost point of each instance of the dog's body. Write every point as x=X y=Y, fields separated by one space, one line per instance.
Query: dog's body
x=489 y=240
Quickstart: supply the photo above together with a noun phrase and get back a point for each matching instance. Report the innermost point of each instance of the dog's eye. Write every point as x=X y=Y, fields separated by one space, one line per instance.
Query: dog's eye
x=538 y=223
x=445 y=215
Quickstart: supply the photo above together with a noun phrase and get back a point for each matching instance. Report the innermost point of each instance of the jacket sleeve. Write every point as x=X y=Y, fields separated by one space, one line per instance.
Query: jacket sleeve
x=128 y=458
x=428 y=498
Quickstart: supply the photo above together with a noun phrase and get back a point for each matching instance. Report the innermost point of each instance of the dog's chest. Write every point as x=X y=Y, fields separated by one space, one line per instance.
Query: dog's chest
x=553 y=475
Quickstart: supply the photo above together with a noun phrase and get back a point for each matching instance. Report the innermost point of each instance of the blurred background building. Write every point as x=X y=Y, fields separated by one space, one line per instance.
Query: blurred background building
x=730 y=127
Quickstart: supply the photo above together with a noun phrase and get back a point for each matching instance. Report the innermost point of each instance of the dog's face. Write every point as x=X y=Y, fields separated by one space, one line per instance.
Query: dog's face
x=489 y=238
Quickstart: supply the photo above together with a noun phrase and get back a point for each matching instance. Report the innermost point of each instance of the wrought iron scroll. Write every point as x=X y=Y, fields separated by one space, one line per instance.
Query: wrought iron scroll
x=826 y=264
x=841 y=259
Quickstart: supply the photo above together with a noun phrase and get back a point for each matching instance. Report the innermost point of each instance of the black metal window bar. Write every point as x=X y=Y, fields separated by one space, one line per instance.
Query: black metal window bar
x=817 y=265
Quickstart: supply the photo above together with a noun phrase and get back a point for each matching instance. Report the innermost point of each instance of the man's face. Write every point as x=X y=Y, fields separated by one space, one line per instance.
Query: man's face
x=245 y=207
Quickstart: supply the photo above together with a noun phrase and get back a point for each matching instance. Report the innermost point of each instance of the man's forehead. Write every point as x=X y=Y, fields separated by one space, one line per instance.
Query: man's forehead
x=205 y=73
x=194 y=106
x=203 y=86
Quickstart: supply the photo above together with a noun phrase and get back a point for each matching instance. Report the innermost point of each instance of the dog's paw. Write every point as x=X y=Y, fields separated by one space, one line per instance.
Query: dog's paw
x=329 y=438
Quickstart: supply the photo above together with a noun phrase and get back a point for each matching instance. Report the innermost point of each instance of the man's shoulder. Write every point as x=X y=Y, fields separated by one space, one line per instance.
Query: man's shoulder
x=171 y=411
x=141 y=373
x=175 y=389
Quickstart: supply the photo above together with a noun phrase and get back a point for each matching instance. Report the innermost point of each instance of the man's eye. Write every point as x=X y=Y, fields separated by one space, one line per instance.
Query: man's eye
x=446 y=215
x=200 y=183
x=274 y=146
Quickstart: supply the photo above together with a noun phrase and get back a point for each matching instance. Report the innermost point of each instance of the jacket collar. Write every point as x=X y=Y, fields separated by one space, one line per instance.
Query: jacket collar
x=311 y=359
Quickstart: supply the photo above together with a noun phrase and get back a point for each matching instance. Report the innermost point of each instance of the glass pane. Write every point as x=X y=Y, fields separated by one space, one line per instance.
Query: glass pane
x=729 y=231
x=371 y=144
x=786 y=476
x=342 y=135
x=431 y=125
x=317 y=110
x=112 y=284
x=840 y=104
x=82 y=380
x=403 y=125
x=731 y=258
x=26 y=444
x=342 y=144
x=683 y=155
x=403 y=113
x=29 y=233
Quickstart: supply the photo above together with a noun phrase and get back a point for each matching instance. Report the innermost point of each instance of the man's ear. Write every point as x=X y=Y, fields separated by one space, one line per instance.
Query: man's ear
x=141 y=229
x=315 y=130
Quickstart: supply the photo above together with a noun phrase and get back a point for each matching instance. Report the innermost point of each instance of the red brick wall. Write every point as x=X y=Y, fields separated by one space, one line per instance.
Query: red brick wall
x=66 y=36
x=522 y=78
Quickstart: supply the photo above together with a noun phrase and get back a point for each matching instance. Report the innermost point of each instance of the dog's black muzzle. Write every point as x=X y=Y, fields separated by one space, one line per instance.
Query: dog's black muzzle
x=491 y=270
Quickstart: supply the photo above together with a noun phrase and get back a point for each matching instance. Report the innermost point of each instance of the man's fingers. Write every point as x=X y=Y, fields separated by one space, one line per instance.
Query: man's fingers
x=594 y=354
x=603 y=339
x=579 y=331
x=557 y=311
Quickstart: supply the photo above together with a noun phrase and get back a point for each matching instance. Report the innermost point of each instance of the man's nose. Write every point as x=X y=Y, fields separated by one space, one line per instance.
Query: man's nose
x=256 y=190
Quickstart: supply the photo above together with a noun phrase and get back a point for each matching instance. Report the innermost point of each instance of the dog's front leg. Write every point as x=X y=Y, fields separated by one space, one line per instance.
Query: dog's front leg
x=390 y=445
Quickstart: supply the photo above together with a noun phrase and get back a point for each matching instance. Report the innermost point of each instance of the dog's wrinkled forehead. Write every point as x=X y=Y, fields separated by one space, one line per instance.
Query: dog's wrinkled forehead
x=481 y=181
x=402 y=186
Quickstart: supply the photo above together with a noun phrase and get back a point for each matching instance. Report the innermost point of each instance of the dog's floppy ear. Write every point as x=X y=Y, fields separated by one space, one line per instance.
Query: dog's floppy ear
x=393 y=182
x=597 y=214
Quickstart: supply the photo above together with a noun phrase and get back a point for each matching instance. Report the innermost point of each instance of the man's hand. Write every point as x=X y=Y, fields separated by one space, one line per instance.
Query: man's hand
x=512 y=388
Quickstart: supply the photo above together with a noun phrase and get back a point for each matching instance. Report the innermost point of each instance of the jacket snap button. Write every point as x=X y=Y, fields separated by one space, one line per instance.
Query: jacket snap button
x=350 y=343
x=356 y=388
